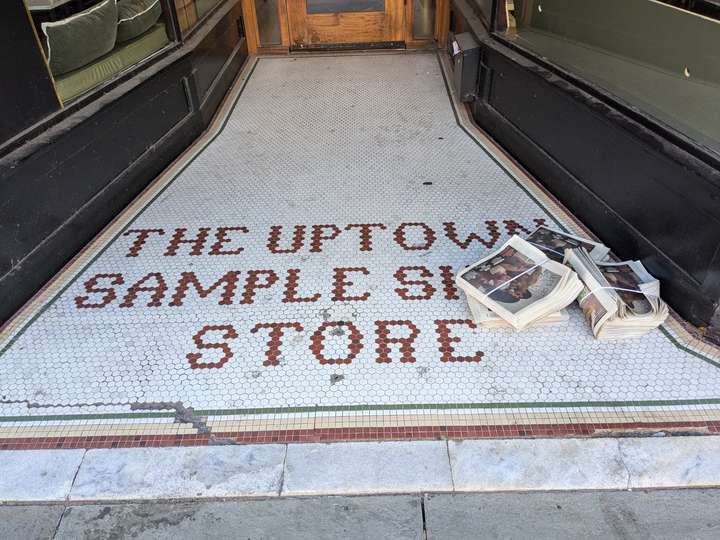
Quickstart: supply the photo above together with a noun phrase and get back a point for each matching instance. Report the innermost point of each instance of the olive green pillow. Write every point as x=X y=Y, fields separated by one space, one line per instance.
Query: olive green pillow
x=81 y=38
x=135 y=17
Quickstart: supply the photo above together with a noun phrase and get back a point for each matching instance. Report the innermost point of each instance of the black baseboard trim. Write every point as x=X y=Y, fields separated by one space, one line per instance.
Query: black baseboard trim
x=679 y=289
x=50 y=256
x=121 y=147
x=648 y=194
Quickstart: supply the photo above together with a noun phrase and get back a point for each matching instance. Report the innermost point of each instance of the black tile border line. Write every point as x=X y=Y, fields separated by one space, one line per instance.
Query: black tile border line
x=196 y=149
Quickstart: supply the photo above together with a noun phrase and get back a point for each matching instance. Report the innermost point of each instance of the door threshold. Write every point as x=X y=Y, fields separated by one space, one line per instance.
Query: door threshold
x=354 y=47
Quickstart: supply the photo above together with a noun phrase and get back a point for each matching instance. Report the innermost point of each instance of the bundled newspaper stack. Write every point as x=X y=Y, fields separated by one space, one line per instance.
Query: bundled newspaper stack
x=487 y=319
x=619 y=300
x=554 y=243
x=518 y=286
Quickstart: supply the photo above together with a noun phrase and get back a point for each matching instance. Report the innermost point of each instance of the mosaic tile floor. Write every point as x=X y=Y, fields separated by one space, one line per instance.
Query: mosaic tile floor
x=290 y=278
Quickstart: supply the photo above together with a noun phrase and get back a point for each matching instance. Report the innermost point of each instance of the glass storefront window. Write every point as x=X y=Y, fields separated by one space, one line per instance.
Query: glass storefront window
x=89 y=42
x=423 y=19
x=338 y=6
x=268 y=20
x=191 y=12
x=485 y=8
x=659 y=58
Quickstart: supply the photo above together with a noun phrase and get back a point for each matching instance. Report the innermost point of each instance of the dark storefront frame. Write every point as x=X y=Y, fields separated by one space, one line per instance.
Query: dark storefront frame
x=65 y=177
x=518 y=94
x=178 y=40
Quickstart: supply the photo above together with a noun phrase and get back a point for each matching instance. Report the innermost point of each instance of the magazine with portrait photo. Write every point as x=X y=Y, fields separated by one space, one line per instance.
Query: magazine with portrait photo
x=620 y=300
x=627 y=285
x=519 y=283
x=498 y=271
x=554 y=243
x=526 y=289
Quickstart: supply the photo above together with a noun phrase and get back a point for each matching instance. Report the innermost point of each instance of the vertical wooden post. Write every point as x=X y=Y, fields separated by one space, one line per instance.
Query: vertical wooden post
x=408 y=22
x=284 y=23
x=442 y=22
x=251 y=28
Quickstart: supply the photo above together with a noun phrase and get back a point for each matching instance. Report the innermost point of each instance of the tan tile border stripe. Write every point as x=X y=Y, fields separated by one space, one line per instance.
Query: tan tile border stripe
x=680 y=330
x=360 y=421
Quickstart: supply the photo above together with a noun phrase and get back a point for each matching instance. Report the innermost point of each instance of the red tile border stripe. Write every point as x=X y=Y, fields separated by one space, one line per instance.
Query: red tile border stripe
x=346 y=434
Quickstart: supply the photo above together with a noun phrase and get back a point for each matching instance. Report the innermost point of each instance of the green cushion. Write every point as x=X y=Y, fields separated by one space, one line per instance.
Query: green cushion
x=81 y=38
x=125 y=55
x=135 y=17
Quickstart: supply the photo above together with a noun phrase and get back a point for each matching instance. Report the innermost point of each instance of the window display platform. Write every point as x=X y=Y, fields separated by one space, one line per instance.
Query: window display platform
x=290 y=278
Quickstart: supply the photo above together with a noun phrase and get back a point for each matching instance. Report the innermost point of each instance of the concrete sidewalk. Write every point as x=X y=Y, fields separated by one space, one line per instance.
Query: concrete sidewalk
x=278 y=470
x=644 y=514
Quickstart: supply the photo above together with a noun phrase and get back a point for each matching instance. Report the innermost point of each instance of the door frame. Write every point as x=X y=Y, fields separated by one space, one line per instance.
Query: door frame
x=325 y=30
x=442 y=16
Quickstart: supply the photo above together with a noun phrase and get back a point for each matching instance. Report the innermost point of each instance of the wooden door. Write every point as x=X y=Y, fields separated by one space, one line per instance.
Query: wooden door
x=337 y=22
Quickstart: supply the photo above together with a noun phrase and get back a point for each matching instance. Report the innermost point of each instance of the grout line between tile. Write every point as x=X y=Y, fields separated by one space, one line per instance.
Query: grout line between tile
x=281 y=487
x=60 y=519
x=452 y=474
x=72 y=484
x=622 y=460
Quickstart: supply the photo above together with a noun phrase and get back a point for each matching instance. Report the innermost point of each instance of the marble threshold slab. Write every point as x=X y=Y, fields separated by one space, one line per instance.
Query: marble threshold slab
x=276 y=470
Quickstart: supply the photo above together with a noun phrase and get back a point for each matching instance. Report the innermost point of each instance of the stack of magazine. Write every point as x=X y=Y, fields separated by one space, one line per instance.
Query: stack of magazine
x=554 y=243
x=519 y=286
x=619 y=300
x=528 y=283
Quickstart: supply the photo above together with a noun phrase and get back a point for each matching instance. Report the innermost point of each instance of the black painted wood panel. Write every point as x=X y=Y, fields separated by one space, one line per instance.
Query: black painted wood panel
x=56 y=198
x=652 y=192
x=621 y=183
x=214 y=50
x=52 y=185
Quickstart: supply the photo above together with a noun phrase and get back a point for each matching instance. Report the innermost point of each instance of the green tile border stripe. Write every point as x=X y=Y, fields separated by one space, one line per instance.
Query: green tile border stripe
x=367 y=407
x=688 y=350
x=343 y=408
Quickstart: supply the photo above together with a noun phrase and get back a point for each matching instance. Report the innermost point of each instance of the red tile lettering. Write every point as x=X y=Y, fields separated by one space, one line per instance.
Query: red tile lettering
x=400 y=237
x=197 y=243
x=445 y=340
x=292 y=283
x=277 y=332
x=492 y=228
x=342 y=284
x=228 y=282
x=427 y=289
x=365 y=233
x=273 y=243
x=228 y=332
x=222 y=239
x=158 y=289
x=91 y=286
x=253 y=283
x=318 y=341
x=383 y=340
x=140 y=239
